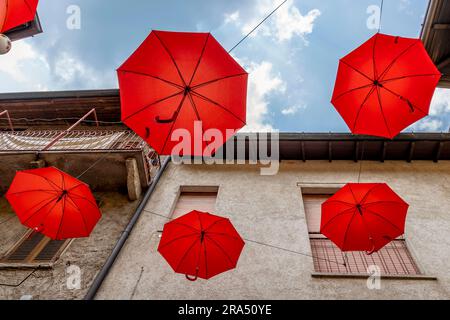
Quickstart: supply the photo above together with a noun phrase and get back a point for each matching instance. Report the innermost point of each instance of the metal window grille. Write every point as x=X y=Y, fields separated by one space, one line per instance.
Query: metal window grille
x=393 y=259
x=34 y=249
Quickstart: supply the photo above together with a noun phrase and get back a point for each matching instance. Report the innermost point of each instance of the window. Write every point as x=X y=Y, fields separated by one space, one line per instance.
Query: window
x=393 y=259
x=195 y=198
x=34 y=249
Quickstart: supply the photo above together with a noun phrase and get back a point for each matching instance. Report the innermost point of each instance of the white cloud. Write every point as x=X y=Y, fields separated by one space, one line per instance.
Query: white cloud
x=67 y=69
x=428 y=124
x=286 y=23
x=291 y=110
x=232 y=17
x=24 y=66
x=441 y=102
x=438 y=120
x=263 y=82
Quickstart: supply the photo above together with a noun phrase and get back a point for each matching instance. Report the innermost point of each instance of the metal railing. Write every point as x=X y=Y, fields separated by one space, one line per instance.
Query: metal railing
x=79 y=140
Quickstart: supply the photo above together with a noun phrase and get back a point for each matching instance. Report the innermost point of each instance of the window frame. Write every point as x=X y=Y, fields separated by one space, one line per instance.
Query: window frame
x=330 y=189
x=31 y=262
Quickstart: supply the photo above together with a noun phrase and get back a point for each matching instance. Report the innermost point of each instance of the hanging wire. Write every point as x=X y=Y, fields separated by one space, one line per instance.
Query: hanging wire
x=259 y=24
x=21 y=282
x=381 y=15
x=264 y=244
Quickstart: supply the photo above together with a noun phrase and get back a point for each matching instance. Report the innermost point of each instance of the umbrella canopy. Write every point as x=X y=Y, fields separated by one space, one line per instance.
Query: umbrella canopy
x=175 y=79
x=14 y=13
x=385 y=85
x=363 y=217
x=200 y=244
x=53 y=203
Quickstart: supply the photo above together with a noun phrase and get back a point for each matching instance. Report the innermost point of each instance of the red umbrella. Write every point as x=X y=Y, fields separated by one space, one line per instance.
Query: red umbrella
x=14 y=13
x=53 y=203
x=174 y=79
x=363 y=217
x=385 y=85
x=200 y=245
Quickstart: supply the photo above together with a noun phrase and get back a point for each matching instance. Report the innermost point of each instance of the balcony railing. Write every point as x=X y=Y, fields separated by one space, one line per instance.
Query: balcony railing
x=79 y=140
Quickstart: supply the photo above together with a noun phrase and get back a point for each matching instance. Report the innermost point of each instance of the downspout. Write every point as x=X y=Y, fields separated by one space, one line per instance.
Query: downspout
x=123 y=238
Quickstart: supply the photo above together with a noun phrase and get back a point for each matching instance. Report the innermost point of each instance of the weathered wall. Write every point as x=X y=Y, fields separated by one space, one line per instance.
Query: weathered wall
x=270 y=209
x=89 y=253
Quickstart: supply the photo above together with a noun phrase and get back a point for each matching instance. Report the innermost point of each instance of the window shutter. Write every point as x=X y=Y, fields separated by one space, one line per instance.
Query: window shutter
x=34 y=248
x=25 y=248
x=200 y=201
x=48 y=253
x=313 y=210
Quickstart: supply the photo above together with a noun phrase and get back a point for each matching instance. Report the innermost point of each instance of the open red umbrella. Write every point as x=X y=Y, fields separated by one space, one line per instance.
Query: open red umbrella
x=175 y=79
x=14 y=13
x=53 y=203
x=385 y=85
x=363 y=217
x=200 y=245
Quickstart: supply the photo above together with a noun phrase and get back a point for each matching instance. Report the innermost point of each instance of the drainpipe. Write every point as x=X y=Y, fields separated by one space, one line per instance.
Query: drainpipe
x=123 y=238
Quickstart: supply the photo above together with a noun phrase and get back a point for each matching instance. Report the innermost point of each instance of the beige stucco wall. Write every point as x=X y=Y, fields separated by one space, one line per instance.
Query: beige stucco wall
x=270 y=209
x=88 y=253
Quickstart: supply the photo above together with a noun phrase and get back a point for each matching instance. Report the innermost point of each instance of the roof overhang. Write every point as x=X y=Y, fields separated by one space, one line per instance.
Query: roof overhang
x=343 y=146
x=436 y=37
x=26 y=30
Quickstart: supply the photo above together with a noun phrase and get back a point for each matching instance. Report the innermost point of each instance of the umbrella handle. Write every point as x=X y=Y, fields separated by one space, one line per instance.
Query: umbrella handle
x=170 y=120
x=372 y=251
x=191 y=278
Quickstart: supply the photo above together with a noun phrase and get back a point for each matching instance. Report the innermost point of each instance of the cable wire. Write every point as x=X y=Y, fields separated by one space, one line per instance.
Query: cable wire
x=259 y=24
x=264 y=244
x=381 y=15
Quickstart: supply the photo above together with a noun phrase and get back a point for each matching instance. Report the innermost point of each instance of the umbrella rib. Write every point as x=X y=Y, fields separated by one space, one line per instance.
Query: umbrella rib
x=382 y=201
x=45 y=178
x=221 y=249
x=48 y=212
x=184 y=225
x=215 y=222
x=382 y=111
x=351 y=67
x=362 y=105
x=178 y=238
x=411 y=76
x=177 y=112
x=151 y=76
x=348 y=227
x=218 y=79
x=404 y=99
x=368 y=192
x=171 y=57
x=383 y=218
x=85 y=199
x=338 y=215
x=81 y=214
x=218 y=105
x=199 y=60
x=185 y=254
x=28 y=5
x=29 y=209
x=340 y=201
x=351 y=90
x=152 y=104
x=62 y=217
x=34 y=190
x=396 y=58
x=373 y=57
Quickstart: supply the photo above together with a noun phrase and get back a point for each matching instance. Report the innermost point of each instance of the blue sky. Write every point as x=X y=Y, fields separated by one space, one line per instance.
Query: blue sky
x=292 y=59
